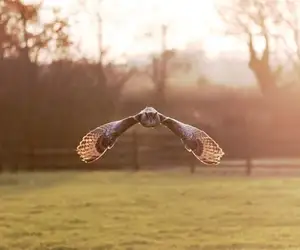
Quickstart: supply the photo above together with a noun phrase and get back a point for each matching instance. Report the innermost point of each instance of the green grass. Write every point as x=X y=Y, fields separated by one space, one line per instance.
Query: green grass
x=143 y=211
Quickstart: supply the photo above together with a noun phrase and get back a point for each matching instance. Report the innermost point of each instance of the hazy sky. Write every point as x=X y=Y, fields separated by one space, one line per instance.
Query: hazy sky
x=125 y=23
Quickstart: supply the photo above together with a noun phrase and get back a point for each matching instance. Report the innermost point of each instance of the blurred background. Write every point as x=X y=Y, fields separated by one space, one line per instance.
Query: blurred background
x=228 y=67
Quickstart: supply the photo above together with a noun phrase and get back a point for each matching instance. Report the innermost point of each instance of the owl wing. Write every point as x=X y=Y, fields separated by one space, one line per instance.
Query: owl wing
x=196 y=141
x=95 y=143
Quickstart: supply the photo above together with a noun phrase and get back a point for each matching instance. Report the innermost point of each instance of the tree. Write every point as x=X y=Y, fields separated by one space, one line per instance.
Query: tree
x=110 y=76
x=291 y=41
x=26 y=36
x=159 y=67
x=22 y=37
x=263 y=21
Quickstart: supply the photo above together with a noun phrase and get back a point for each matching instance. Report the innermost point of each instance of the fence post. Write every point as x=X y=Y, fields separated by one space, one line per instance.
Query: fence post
x=247 y=146
x=193 y=165
x=248 y=166
x=135 y=147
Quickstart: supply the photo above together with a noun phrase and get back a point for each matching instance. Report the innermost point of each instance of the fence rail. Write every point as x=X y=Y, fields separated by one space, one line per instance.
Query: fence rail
x=157 y=149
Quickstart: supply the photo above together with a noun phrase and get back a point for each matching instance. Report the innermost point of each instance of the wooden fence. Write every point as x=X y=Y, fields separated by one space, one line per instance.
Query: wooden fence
x=157 y=149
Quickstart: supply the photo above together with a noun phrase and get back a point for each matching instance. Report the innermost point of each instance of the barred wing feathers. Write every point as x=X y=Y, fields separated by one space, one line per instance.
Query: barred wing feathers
x=97 y=141
x=196 y=141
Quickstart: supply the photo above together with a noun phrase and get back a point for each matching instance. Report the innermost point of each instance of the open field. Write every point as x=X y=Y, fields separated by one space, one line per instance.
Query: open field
x=147 y=210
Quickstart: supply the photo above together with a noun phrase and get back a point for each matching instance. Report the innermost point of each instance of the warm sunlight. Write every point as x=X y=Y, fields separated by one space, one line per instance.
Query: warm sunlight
x=134 y=27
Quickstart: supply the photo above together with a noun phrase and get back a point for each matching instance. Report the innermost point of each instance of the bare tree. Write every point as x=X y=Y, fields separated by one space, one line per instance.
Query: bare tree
x=109 y=74
x=159 y=72
x=291 y=41
x=267 y=21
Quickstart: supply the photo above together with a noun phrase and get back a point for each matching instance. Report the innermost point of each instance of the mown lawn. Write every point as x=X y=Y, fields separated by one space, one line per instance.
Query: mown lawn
x=143 y=211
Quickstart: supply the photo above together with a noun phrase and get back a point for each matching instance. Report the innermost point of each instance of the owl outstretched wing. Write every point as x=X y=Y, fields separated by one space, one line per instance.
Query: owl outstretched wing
x=196 y=141
x=97 y=141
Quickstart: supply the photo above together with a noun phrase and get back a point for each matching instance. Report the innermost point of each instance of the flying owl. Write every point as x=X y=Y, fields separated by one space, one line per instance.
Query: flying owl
x=96 y=142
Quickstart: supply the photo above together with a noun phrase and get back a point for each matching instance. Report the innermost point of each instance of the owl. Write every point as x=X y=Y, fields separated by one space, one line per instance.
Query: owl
x=97 y=141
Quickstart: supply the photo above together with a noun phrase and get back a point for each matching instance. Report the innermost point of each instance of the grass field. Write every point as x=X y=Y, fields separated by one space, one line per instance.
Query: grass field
x=143 y=211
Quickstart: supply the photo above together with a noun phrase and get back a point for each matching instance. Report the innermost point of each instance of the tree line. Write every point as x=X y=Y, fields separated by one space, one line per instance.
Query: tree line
x=52 y=105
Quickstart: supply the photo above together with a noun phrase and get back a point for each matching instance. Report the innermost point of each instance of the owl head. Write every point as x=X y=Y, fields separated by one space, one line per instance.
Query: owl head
x=149 y=117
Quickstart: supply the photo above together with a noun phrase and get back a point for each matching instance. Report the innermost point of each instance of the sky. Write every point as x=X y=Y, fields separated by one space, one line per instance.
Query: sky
x=133 y=27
